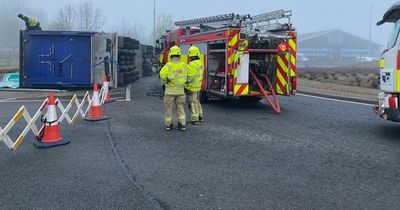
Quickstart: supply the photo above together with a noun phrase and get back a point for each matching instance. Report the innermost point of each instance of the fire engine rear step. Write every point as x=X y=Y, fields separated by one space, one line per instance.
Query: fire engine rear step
x=274 y=103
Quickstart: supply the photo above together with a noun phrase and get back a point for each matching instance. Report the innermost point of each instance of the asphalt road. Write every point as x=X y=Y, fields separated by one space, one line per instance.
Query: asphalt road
x=317 y=155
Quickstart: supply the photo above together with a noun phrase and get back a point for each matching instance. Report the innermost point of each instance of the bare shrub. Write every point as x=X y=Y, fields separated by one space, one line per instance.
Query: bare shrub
x=358 y=81
x=375 y=83
x=312 y=77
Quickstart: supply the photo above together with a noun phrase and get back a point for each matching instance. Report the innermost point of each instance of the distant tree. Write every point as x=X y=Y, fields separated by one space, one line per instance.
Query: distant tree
x=10 y=26
x=90 y=18
x=134 y=30
x=164 y=22
x=64 y=19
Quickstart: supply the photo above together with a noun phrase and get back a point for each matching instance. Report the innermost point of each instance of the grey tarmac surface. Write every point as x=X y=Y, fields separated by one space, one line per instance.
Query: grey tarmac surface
x=317 y=155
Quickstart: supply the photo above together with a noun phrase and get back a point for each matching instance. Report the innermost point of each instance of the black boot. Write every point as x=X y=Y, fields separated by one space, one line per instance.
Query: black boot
x=201 y=119
x=195 y=122
x=181 y=127
x=168 y=128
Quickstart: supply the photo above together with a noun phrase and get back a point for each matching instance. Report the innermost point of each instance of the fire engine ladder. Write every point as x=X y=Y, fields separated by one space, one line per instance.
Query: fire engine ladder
x=268 y=21
x=273 y=102
x=219 y=20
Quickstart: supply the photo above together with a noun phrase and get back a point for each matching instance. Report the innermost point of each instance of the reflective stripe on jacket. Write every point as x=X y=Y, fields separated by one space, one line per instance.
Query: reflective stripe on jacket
x=174 y=77
x=195 y=76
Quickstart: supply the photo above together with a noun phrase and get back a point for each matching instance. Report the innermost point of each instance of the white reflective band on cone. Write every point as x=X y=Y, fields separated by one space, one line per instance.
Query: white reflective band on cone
x=96 y=99
x=51 y=113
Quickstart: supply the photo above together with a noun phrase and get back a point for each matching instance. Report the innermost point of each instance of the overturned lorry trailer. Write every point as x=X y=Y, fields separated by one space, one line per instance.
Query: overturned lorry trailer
x=249 y=57
x=60 y=59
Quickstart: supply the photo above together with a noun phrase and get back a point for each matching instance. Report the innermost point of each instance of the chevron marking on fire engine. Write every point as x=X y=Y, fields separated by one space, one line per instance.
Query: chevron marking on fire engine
x=281 y=75
x=244 y=45
x=241 y=89
x=232 y=46
x=234 y=40
x=293 y=51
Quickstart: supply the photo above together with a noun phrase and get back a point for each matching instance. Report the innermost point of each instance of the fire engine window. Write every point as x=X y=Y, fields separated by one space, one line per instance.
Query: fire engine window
x=172 y=39
x=394 y=36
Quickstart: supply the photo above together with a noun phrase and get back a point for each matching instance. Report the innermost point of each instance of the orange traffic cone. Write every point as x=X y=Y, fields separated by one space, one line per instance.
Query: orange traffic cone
x=95 y=112
x=106 y=84
x=50 y=135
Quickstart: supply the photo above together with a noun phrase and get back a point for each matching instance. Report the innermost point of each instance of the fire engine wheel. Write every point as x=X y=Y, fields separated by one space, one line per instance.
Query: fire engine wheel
x=250 y=99
x=203 y=96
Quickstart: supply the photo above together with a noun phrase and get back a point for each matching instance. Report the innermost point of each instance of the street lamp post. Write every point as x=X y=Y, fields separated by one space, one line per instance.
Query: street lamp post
x=370 y=31
x=154 y=23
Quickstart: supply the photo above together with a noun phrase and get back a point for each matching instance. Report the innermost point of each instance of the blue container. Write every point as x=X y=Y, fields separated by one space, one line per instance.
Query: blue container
x=50 y=59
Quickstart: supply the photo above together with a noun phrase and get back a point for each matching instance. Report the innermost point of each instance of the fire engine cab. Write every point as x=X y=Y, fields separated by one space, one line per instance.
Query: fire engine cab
x=245 y=56
x=388 y=106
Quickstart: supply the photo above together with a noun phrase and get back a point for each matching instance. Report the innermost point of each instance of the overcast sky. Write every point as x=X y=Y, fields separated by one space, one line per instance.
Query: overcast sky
x=308 y=15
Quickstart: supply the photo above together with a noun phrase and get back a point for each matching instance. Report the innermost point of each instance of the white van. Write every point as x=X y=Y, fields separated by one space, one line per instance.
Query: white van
x=388 y=107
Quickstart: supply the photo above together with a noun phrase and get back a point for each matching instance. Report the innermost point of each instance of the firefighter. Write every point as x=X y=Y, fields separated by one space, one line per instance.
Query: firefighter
x=174 y=77
x=193 y=86
x=31 y=24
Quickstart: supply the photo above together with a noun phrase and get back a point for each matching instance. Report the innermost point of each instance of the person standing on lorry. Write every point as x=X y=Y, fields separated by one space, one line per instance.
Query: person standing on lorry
x=31 y=24
x=174 y=77
x=193 y=86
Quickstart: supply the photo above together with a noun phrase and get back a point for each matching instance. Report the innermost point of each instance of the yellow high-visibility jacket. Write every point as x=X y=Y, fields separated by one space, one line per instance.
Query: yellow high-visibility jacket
x=174 y=77
x=33 y=22
x=195 y=76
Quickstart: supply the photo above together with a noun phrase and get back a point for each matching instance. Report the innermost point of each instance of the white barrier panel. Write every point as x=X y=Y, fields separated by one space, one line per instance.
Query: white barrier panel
x=102 y=94
x=80 y=108
x=23 y=113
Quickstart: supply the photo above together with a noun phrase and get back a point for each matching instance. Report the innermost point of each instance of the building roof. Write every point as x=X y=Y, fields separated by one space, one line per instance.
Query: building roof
x=312 y=35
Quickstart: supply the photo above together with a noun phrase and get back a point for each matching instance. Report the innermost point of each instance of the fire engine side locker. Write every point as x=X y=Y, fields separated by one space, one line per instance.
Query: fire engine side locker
x=215 y=42
x=217 y=68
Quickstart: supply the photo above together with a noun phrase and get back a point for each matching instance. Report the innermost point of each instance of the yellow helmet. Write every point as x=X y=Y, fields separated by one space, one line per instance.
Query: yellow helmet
x=194 y=51
x=175 y=50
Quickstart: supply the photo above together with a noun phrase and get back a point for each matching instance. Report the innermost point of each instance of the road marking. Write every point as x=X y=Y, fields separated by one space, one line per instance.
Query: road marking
x=9 y=99
x=25 y=101
x=120 y=99
x=336 y=100
x=114 y=93
x=128 y=93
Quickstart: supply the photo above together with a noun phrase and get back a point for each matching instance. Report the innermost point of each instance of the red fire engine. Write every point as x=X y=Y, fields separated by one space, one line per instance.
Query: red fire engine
x=244 y=56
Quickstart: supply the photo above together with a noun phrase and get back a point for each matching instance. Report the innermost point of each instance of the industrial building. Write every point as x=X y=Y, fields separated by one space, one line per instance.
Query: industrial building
x=335 y=48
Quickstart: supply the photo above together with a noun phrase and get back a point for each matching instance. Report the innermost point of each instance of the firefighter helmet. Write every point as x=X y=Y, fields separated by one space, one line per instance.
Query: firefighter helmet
x=194 y=51
x=175 y=51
